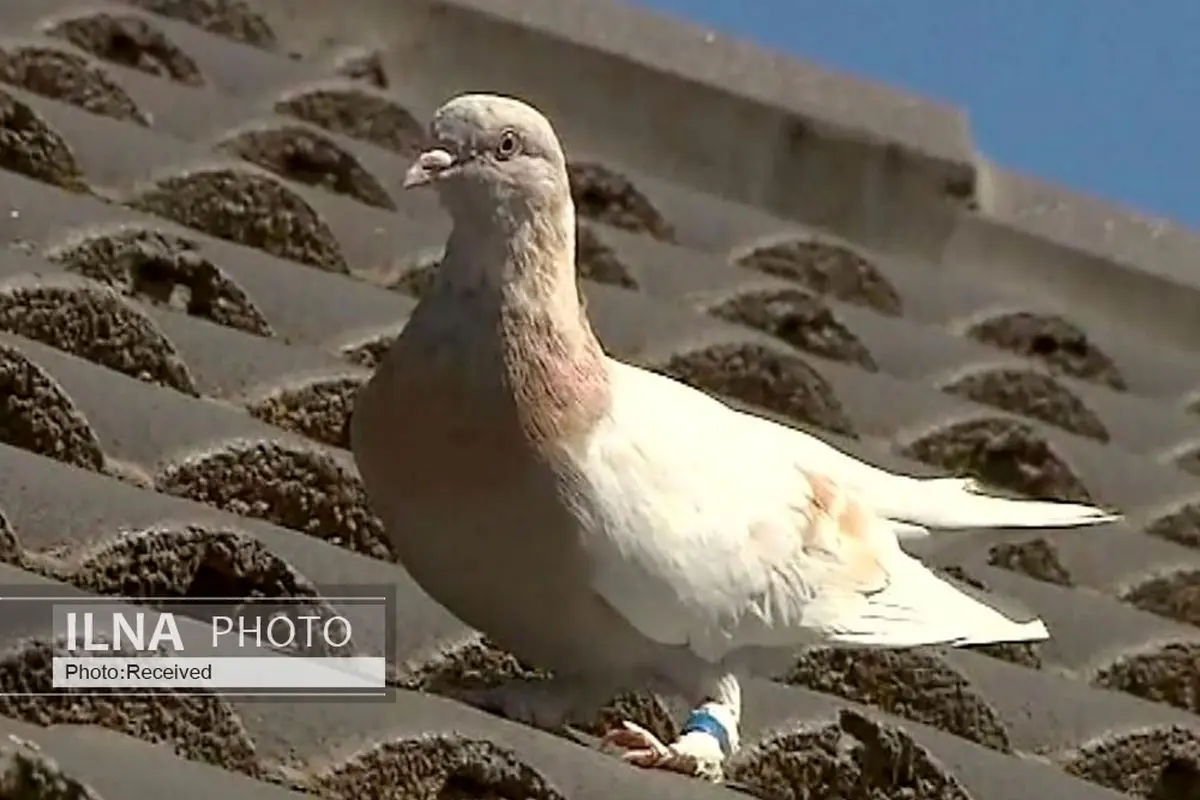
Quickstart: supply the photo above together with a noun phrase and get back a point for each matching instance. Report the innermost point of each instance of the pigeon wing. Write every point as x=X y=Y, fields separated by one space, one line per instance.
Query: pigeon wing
x=700 y=536
x=703 y=533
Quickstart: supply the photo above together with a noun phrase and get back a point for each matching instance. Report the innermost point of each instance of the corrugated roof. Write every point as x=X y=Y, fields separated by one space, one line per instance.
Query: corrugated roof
x=207 y=247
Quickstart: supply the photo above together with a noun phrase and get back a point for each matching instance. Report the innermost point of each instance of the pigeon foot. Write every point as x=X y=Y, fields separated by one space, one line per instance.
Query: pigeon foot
x=697 y=753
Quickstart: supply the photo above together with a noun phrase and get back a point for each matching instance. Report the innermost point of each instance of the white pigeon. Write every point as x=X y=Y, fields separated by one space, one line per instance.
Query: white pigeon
x=611 y=524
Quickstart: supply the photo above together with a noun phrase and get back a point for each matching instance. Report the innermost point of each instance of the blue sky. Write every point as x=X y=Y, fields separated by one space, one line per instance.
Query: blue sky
x=1100 y=95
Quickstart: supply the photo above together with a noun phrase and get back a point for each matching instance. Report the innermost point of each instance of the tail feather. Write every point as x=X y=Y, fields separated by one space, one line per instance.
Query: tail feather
x=907 y=531
x=919 y=608
x=918 y=503
x=958 y=503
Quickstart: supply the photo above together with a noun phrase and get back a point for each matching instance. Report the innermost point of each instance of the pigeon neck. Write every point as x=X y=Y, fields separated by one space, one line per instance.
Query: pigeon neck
x=506 y=308
x=519 y=265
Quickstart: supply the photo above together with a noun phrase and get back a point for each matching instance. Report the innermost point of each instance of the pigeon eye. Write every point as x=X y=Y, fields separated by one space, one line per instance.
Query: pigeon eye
x=508 y=145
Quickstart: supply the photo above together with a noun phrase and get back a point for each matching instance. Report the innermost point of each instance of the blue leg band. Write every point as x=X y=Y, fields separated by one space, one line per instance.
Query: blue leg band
x=701 y=720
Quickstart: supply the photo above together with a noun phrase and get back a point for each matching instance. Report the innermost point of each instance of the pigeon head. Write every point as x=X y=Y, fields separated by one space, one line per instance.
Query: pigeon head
x=489 y=151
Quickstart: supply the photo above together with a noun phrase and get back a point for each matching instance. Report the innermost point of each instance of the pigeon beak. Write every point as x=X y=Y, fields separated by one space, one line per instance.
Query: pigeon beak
x=428 y=167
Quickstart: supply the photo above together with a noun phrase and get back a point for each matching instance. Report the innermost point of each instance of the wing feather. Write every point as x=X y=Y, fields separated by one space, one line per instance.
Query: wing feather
x=703 y=532
x=705 y=537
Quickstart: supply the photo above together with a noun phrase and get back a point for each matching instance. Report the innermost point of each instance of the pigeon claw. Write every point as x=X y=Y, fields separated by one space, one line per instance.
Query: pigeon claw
x=690 y=755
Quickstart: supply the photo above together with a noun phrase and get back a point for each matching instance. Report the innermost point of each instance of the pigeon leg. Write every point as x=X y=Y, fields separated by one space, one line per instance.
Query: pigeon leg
x=708 y=738
x=548 y=704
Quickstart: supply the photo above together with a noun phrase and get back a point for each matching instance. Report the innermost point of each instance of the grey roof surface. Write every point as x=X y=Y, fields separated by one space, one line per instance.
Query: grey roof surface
x=206 y=247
